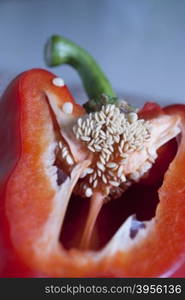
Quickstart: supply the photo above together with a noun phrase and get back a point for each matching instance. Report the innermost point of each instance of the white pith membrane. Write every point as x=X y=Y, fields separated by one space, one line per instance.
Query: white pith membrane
x=136 y=164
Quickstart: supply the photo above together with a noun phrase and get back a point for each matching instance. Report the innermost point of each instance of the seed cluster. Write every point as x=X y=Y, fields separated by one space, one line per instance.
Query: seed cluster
x=65 y=155
x=111 y=135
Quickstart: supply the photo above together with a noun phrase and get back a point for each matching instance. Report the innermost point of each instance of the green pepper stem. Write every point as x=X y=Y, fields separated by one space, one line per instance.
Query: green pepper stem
x=59 y=50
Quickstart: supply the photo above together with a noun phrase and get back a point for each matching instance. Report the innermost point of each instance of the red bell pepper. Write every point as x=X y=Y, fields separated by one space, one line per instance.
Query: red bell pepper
x=36 y=116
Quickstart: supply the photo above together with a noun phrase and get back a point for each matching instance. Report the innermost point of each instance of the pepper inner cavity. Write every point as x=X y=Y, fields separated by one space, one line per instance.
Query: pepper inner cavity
x=122 y=148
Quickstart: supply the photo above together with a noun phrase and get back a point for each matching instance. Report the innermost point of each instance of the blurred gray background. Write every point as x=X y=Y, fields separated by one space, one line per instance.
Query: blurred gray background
x=140 y=44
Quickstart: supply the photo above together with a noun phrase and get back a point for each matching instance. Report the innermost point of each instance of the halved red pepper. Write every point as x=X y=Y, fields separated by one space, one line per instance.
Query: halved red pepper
x=32 y=207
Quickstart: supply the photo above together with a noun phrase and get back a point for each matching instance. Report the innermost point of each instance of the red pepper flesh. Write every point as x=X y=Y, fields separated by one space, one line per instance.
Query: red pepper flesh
x=26 y=195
